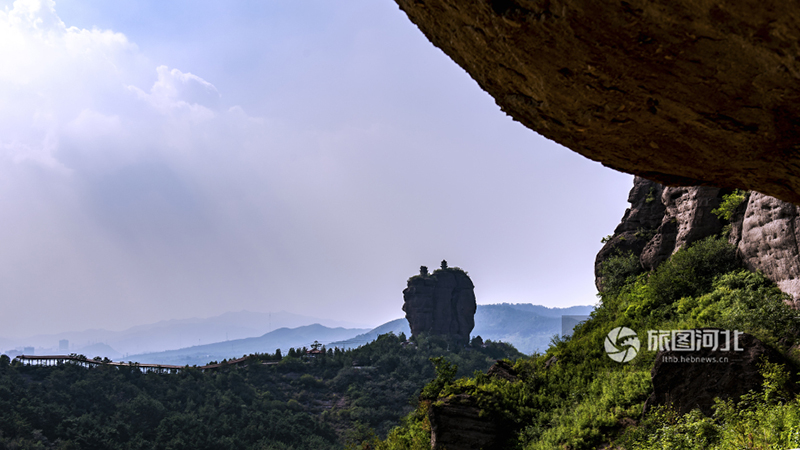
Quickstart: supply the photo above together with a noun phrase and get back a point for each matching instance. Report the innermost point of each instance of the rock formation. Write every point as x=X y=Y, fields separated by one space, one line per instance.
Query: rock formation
x=767 y=236
x=687 y=385
x=679 y=91
x=660 y=221
x=441 y=303
x=457 y=424
x=765 y=230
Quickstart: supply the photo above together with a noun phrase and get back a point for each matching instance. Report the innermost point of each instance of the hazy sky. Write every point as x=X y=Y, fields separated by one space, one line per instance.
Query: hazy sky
x=187 y=158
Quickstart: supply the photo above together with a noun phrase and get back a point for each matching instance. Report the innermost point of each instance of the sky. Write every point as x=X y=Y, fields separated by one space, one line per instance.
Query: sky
x=168 y=160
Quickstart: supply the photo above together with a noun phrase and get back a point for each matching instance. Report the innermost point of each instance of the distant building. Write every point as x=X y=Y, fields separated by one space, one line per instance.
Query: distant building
x=27 y=350
x=63 y=345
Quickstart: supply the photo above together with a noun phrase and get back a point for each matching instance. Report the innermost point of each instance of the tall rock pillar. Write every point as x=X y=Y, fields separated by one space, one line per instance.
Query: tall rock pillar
x=440 y=303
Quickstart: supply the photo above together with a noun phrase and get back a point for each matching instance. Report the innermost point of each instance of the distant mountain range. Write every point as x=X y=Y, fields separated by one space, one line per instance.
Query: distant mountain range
x=169 y=334
x=526 y=326
x=282 y=338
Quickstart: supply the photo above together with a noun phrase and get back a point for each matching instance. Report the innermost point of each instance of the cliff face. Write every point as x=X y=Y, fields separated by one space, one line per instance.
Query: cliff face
x=765 y=230
x=767 y=236
x=441 y=303
x=678 y=91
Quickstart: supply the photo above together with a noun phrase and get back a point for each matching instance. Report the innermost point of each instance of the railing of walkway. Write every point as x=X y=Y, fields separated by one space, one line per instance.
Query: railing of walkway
x=55 y=360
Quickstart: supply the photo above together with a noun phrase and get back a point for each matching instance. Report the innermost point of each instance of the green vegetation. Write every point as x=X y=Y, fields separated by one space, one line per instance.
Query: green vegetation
x=651 y=195
x=758 y=421
x=729 y=204
x=296 y=402
x=575 y=397
x=379 y=396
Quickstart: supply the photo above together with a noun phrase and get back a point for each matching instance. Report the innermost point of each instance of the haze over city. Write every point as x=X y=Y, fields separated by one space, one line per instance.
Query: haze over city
x=185 y=159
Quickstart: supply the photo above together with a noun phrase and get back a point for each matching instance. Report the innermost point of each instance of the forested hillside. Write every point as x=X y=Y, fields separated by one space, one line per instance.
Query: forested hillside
x=271 y=402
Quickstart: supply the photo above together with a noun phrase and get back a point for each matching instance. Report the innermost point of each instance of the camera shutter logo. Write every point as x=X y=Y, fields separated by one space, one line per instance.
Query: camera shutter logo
x=621 y=344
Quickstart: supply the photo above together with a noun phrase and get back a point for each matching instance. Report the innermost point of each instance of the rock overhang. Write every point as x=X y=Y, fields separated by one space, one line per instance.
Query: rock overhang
x=681 y=92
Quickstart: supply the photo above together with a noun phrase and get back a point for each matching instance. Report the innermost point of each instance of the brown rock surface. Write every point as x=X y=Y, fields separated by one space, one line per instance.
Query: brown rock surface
x=687 y=218
x=765 y=230
x=768 y=241
x=504 y=371
x=441 y=303
x=682 y=92
x=457 y=424
x=638 y=224
x=687 y=380
x=660 y=221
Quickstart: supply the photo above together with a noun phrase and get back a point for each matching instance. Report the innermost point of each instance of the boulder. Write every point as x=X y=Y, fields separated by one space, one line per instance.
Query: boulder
x=692 y=379
x=457 y=424
x=503 y=370
x=681 y=92
x=441 y=303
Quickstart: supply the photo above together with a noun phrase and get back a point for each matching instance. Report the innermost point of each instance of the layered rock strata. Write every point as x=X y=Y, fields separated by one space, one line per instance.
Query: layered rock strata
x=678 y=91
x=441 y=303
x=459 y=423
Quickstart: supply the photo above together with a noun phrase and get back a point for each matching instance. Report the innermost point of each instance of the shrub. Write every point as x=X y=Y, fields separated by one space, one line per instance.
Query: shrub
x=729 y=204
x=618 y=270
x=691 y=271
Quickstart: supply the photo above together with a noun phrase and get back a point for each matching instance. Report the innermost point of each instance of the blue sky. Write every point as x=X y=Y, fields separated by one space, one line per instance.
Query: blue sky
x=183 y=159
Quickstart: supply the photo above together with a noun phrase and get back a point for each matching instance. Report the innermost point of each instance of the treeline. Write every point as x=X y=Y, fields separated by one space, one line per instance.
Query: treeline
x=271 y=401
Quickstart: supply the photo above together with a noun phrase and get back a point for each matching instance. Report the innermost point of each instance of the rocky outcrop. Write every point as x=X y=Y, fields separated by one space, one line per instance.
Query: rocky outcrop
x=638 y=226
x=457 y=424
x=765 y=230
x=503 y=370
x=693 y=379
x=687 y=218
x=660 y=221
x=767 y=237
x=681 y=92
x=441 y=303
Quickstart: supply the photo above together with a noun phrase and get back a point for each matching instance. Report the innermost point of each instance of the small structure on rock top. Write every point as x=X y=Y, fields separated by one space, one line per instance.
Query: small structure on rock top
x=440 y=303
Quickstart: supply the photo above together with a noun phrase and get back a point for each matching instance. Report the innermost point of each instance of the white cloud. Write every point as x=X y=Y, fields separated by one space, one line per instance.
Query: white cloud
x=132 y=190
x=175 y=90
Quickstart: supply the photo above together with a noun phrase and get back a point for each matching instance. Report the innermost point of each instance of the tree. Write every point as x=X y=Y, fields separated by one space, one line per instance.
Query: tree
x=444 y=264
x=423 y=270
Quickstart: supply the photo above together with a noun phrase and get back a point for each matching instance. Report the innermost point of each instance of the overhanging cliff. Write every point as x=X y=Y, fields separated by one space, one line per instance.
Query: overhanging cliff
x=681 y=92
